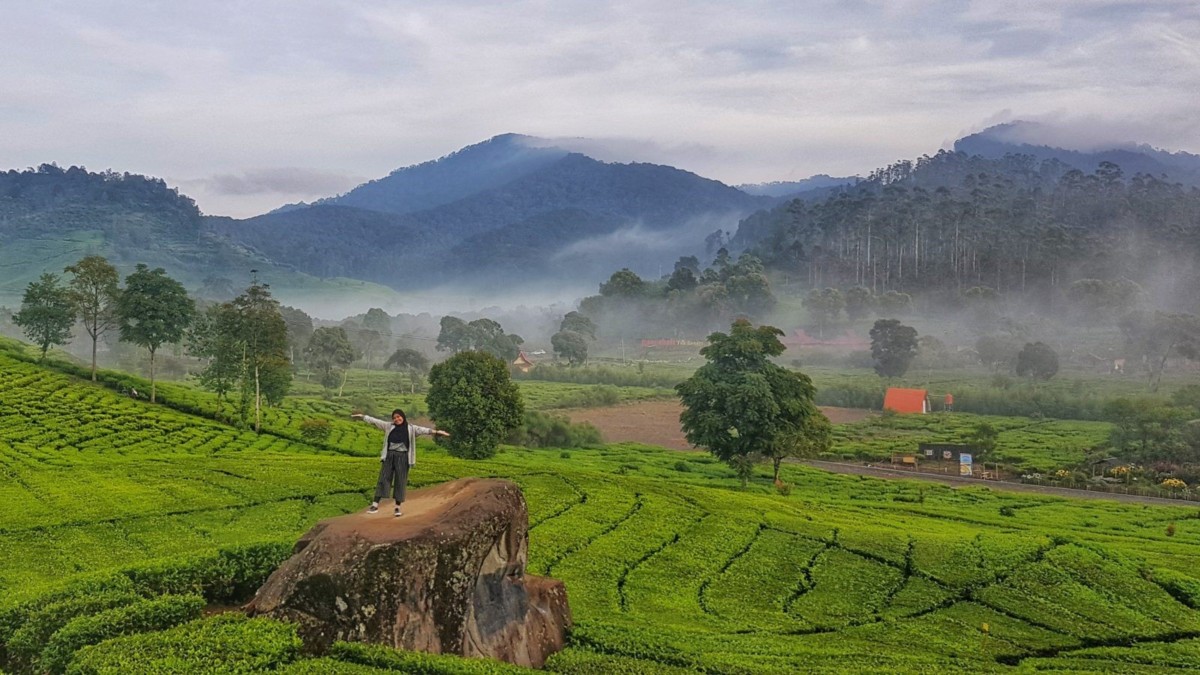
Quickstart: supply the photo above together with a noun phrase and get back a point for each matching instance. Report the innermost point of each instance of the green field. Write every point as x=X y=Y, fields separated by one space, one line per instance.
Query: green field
x=118 y=519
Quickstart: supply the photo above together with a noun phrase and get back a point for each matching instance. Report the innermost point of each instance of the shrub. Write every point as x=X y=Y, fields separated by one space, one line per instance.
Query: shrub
x=418 y=663
x=147 y=615
x=472 y=397
x=28 y=641
x=226 y=643
x=543 y=430
x=683 y=467
x=315 y=430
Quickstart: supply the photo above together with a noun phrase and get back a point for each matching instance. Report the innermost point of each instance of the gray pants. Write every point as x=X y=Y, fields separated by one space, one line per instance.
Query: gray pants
x=394 y=473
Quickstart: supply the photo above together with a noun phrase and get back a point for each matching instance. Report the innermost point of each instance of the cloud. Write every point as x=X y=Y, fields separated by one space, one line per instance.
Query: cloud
x=771 y=91
x=279 y=181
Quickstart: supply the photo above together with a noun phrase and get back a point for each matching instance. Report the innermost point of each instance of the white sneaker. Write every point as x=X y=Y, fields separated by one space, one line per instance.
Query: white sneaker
x=373 y=508
x=397 y=511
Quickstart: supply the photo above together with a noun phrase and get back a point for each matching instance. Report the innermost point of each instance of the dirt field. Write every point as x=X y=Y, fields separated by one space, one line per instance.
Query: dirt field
x=657 y=422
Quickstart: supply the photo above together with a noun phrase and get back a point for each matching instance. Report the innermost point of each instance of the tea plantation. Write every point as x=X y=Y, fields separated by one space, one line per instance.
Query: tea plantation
x=121 y=521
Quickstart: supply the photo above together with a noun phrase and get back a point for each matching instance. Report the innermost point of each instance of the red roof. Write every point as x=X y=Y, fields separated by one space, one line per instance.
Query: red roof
x=905 y=400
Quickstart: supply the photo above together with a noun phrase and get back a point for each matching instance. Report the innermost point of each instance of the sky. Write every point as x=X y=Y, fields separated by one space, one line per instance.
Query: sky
x=246 y=106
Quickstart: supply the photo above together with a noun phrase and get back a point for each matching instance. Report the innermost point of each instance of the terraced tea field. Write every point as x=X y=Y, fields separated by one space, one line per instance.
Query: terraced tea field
x=119 y=520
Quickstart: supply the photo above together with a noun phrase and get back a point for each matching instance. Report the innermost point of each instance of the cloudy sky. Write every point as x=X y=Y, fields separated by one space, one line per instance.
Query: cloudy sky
x=249 y=105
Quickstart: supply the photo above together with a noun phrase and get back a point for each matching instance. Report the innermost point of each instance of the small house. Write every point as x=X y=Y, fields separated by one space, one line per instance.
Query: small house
x=522 y=363
x=906 y=400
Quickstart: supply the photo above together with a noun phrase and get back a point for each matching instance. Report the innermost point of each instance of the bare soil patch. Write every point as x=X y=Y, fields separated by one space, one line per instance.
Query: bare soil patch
x=657 y=422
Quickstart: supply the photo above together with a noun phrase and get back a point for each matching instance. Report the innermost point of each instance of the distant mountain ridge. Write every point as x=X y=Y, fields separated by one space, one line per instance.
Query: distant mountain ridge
x=448 y=220
x=1133 y=158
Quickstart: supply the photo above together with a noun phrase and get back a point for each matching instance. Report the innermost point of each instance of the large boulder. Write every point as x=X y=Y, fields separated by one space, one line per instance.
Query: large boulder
x=447 y=577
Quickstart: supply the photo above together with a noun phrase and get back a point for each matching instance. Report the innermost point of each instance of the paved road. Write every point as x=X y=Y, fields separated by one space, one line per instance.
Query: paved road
x=958 y=481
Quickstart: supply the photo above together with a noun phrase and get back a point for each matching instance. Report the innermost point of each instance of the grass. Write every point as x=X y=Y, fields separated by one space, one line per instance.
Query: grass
x=667 y=570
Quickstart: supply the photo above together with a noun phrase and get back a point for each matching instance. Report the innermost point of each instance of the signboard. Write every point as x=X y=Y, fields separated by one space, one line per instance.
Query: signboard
x=964 y=464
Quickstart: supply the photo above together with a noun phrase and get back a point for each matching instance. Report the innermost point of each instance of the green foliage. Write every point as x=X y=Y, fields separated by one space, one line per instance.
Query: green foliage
x=418 y=663
x=329 y=352
x=316 y=430
x=740 y=405
x=1037 y=360
x=93 y=289
x=571 y=346
x=623 y=284
x=47 y=313
x=140 y=617
x=859 y=301
x=543 y=430
x=483 y=335
x=153 y=310
x=893 y=346
x=824 y=306
x=222 y=644
x=472 y=397
x=578 y=323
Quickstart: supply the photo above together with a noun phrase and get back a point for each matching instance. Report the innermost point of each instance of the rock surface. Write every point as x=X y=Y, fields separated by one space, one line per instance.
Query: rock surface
x=446 y=577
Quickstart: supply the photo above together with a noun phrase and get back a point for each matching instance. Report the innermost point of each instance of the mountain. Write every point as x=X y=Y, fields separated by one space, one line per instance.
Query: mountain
x=464 y=217
x=1038 y=140
x=796 y=188
x=51 y=217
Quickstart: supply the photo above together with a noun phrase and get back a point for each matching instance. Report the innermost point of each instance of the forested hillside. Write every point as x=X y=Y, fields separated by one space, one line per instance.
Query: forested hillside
x=1013 y=224
x=544 y=208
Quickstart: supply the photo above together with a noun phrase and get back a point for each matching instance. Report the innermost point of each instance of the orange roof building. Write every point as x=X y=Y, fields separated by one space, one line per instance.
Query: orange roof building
x=522 y=363
x=906 y=400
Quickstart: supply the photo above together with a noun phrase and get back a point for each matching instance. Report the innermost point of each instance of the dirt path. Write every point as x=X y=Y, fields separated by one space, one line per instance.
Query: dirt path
x=657 y=422
x=958 y=481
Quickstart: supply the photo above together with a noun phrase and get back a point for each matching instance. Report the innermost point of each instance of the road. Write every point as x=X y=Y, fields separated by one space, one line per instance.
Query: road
x=958 y=481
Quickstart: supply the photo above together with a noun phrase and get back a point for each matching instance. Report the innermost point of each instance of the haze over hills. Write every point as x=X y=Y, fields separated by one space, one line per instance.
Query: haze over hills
x=1039 y=141
x=516 y=212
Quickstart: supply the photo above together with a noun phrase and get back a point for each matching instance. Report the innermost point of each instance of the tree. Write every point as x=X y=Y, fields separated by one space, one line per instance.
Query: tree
x=983 y=439
x=578 y=323
x=571 y=346
x=472 y=397
x=623 y=283
x=212 y=337
x=683 y=279
x=895 y=303
x=299 y=329
x=411 y=361
x=329 y=352
x=153 y=310
x=1157 y=337
x=893 y=346
x=455 y=335
x=824 y=306
x=740 y=404
x=996 y=351
x=489 y=336
x=859 y=302
x=261 y=333
x=1037 y=360
x=93 y=292
x=46 y=313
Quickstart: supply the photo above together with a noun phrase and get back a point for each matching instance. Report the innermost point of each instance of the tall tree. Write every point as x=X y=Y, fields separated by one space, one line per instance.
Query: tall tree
x=329 y=352
x=46 y=313
x=262 y=335
x=578 y=323
x=740 y=405
x=153 y=310
x=455 y=335
x=824 y=306
x=94 y=291
x=571 y=346
x=411 y=361
x=472 y=397
x=1037 y=360
x=212 y=337
x=893 y=346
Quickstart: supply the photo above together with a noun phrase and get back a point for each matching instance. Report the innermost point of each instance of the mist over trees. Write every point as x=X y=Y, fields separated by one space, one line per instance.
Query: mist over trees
x=1016 y=225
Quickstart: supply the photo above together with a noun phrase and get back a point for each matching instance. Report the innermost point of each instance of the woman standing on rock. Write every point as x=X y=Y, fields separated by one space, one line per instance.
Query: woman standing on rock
x=399 y=453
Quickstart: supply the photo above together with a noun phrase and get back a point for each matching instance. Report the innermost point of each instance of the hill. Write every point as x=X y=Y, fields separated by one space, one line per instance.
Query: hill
x=1016 y=224
x=51 y=217
x=1043 y=142
x=669 y=566
x=444 y=221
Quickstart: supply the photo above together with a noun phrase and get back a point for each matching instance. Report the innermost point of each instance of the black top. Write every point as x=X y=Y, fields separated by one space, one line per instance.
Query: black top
x=398 y=438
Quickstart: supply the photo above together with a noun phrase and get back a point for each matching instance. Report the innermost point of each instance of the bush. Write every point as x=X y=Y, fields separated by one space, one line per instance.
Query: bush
x=228 y=575
x=543 y=430
x=418 y=663
x=315 y=430
x=683 y=467
x=472 y=397
x=227 y=643
x=29 y=640
x=145 y=616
